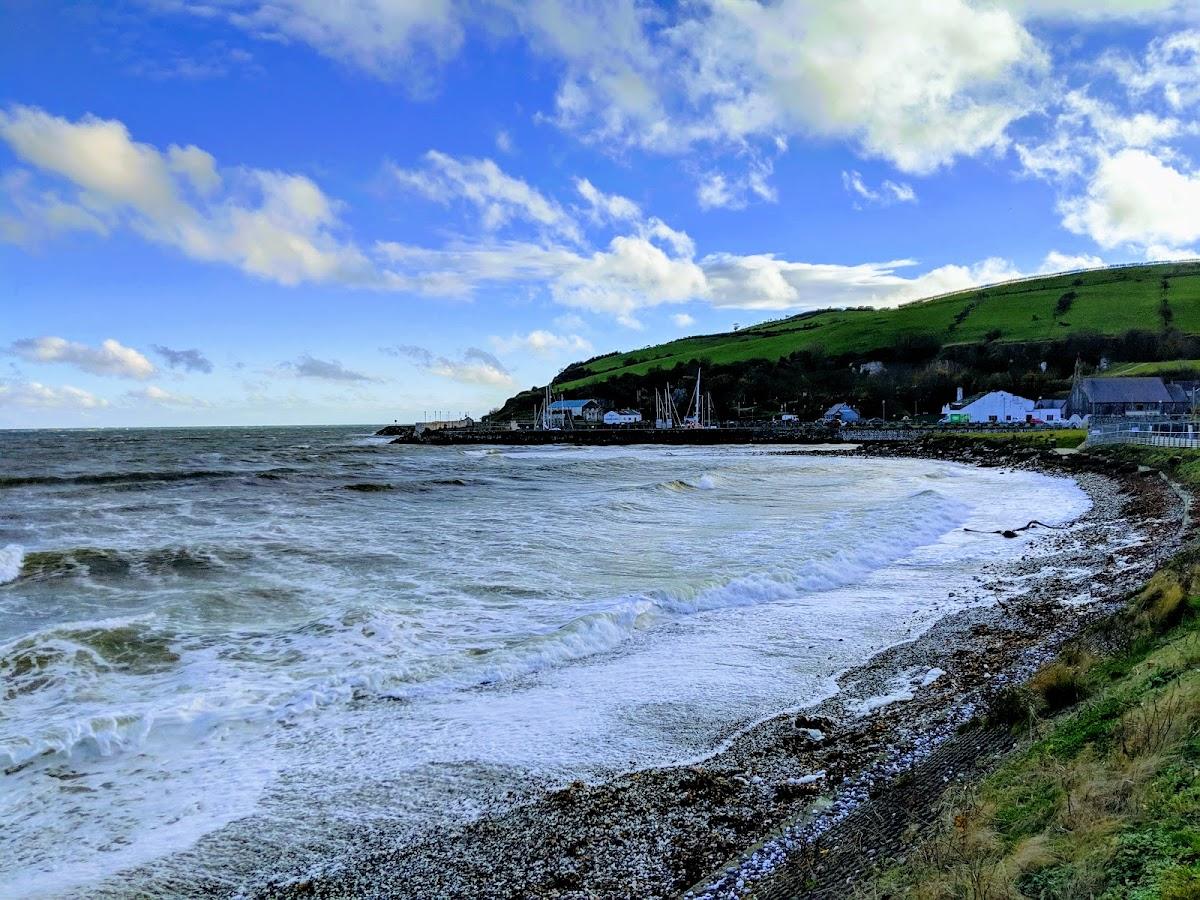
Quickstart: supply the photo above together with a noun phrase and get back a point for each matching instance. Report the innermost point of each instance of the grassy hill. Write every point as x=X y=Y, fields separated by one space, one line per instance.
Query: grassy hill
x=1106 y=301
x=1024 y=336
x=1166 y=367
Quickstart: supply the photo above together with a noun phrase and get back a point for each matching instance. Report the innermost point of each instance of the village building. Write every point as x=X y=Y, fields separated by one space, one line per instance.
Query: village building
x=841 y=412
x=622 y=417
x=567 y=411
x=992 y=407
x=1050 y=411
x=1142 y=396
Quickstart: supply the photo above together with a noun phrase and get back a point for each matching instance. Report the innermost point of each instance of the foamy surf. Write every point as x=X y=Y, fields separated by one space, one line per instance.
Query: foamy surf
x=11 y=559
x=188 y=651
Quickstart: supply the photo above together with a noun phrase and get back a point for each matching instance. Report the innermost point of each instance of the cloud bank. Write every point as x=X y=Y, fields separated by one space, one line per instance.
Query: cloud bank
x=110 y=358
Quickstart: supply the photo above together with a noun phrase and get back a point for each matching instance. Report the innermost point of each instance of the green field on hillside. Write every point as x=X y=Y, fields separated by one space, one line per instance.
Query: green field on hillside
x=1162 y=367
x=1105 y=301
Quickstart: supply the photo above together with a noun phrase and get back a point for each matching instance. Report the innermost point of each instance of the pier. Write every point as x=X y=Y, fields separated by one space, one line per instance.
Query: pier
x=602 y=437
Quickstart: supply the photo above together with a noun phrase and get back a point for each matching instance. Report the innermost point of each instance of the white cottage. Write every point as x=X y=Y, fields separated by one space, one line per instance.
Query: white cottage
x=994 y=406
x=622 y=417
x=1050 y=411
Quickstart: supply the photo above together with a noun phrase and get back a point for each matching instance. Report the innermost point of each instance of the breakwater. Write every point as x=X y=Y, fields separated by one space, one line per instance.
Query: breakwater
x=602 y=437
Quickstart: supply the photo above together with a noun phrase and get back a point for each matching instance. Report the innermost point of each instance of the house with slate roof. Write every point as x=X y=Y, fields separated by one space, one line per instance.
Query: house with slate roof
x=1143 y=396
x=841 y=412
x=563 y=411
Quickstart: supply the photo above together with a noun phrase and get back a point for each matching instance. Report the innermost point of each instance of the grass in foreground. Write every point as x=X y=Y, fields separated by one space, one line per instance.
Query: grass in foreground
x=1041 y=438
x=1104 y=801
x=1182 y=466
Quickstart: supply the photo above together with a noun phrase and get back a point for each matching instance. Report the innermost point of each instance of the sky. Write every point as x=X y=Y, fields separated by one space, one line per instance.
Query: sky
x=363 y=211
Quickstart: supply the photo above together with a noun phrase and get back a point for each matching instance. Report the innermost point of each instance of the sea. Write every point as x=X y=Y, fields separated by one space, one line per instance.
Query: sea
x=226 y=652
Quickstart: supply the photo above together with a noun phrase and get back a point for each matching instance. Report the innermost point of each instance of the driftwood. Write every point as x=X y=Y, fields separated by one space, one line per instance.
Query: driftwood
x=1012 y=532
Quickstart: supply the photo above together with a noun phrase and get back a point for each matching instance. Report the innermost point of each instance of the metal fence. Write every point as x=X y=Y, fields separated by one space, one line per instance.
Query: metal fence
x=1181 y=433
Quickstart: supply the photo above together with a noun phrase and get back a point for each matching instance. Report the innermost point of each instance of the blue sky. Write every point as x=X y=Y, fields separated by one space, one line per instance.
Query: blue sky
x=240 y=211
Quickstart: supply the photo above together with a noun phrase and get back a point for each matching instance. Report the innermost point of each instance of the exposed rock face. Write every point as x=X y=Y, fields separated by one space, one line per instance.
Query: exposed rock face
x=395 y=431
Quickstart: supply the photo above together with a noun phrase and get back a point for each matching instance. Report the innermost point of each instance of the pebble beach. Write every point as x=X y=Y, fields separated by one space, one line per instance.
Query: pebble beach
x=727 y=824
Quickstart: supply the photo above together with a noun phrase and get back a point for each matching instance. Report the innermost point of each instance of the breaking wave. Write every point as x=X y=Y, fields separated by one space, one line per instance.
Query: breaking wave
x=11 y=560
x=918 y=520
x=52 y=658
x=703 y=483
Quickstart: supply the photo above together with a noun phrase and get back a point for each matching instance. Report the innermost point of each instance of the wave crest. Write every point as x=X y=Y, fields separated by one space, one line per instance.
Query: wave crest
x=12 y=558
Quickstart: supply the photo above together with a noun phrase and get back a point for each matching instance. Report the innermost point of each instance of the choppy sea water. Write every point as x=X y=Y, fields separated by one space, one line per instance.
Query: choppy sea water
x=302 y=633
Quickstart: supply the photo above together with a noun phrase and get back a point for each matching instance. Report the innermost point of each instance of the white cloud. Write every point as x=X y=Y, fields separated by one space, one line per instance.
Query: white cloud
x=715 y=192
x=159 y=397
x=542 y=343
x=110 y=358
x=1166 y=252
x=886 y=194
x=1092 y=10
x=37 y=214
x=607 y=207
x=388 y=38
x=1068 y=262
x=654 y=264
x=458 y=268
x=631 y=274
x=915 y=85
x=719 y=190
x=499 y=197
x=1134 y=198
x=473 y=366
x=683 y=320
x=767 y=283
x=35 y=395
x=919 y=85
x=504 y=141
x=1170 y=69
x=1085 y=131
x=274 y=225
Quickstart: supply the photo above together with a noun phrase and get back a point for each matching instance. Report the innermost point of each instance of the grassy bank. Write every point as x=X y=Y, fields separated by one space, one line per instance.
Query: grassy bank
x=1042 y=438
x=1182 y=466
x=1102 y=799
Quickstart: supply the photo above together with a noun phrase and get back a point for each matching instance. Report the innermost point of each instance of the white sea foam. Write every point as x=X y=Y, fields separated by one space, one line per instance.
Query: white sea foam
x=561 y=619
x=808 y=779
x=870 y=704
x=901 y=688
x=11 y=559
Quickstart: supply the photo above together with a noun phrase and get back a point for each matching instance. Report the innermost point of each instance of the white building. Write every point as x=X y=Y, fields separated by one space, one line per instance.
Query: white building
x=994 y=406
x=1050 y=411
x=622 y=417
